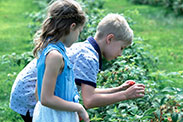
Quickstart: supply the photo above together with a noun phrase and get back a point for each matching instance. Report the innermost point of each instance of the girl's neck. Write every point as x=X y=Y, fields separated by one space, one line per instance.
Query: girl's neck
x=62 y=39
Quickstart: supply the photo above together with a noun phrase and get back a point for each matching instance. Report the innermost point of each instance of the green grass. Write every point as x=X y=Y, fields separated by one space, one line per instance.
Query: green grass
x=160 y=29
x=14 y=37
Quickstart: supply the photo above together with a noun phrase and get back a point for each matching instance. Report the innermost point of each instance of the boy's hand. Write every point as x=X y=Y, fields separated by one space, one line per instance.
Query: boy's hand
x=135 y=91
x=127 y=84
x=131 y=82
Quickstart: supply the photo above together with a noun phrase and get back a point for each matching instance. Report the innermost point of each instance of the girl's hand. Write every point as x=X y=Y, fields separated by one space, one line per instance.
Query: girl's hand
x=83 y=113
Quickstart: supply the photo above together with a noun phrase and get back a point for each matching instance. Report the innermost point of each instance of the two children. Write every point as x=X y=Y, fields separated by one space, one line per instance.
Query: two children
x=57 y=94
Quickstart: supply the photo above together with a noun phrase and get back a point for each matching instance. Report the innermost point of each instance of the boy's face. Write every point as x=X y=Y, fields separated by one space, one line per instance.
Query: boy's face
x=114 y=49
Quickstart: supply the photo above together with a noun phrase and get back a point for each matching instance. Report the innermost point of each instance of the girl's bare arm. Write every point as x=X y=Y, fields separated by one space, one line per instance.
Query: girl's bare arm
x=53 y=66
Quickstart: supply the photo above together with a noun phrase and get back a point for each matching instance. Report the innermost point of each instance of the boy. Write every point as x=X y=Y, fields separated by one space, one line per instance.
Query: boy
x=112 y=36
x=22 y=97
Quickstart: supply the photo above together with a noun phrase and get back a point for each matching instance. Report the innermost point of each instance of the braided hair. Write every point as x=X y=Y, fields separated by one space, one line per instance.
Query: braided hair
x=61 y=14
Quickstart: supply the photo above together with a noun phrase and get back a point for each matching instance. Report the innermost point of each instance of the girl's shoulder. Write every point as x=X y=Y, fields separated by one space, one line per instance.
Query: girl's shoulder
x=55 y=46
x=54 y=55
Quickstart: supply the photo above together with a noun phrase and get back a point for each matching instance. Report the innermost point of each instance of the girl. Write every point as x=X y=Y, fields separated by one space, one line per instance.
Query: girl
x=57 y=92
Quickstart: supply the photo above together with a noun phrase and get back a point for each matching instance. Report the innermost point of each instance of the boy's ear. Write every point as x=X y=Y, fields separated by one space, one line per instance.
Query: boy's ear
x=110 y=37
x=73 y=26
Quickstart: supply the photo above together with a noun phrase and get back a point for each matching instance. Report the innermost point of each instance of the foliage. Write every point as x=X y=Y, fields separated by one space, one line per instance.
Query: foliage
x=134 y=64
x=160 y=103
x=14 y=59
x=7 y=115
x=175 y=5
x=37 y=17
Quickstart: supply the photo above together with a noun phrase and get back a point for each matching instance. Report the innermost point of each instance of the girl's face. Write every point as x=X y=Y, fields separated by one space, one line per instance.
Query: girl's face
x=114 y=49
x=73 y=36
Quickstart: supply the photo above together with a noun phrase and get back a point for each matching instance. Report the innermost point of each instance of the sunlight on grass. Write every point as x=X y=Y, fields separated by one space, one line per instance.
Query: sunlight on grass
x=14 y=31
x=15 y=37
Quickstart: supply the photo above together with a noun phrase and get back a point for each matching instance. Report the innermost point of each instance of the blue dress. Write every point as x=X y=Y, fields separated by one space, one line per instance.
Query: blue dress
x=65 y=88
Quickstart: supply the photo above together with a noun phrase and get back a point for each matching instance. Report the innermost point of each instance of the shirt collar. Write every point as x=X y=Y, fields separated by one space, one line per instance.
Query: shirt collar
x=97 y=48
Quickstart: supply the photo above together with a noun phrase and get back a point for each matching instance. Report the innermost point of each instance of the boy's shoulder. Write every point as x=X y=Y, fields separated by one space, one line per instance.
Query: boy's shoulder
x=84 y=48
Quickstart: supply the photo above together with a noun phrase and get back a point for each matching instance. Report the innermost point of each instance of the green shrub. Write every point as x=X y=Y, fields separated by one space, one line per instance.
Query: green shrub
x=159 y=104
x=174 y=5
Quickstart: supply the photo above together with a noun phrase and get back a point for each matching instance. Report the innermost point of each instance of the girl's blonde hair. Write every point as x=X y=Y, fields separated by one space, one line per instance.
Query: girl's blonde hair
x=117 y=25
x=61 y=14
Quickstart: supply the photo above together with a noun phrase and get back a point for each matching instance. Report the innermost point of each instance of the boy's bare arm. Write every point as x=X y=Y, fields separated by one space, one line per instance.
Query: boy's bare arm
x=108 y=90
x=124 y=86
x=93 y=99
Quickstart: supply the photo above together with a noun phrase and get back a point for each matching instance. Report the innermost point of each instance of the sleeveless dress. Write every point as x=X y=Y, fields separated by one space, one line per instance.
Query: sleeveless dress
x=65 y=88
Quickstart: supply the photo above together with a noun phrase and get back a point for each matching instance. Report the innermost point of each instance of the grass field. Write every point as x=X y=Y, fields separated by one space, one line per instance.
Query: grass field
x=15 y=34
x=14 y=31
x=160 y=29
x=14 y=38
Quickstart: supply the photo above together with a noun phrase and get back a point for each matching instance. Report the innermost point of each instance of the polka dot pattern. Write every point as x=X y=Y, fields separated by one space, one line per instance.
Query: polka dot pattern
x=85 y=60
x=22 y=98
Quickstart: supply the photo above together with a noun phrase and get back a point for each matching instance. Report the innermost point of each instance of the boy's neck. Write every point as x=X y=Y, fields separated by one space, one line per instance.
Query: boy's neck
x=100 y=44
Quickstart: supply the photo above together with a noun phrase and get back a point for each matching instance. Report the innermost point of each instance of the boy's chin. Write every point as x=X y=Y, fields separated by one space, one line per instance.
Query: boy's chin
x=109 y=59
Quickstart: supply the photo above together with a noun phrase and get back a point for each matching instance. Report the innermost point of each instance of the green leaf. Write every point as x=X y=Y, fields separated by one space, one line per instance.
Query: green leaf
x=174 y=117
x=146 y=117
x=149 y=111
x=116 y=109
x=168 y=89
x=162 y=100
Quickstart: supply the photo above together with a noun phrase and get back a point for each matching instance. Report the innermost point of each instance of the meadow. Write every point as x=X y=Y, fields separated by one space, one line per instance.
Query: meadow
x=154 y=59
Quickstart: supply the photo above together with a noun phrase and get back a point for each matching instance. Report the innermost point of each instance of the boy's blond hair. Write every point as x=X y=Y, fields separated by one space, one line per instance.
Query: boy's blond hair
x=117 y=25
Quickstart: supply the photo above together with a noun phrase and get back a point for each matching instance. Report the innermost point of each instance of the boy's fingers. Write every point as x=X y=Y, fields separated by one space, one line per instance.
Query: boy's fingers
x=140 y=85
x=141 y=91
x=140 y=95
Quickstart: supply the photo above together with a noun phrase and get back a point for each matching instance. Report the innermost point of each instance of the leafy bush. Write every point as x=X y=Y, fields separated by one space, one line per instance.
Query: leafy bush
x=160 y=104
x=14 y=59
x=175 y=5
x=134 y=64
x=154 y=106
x=12 y=63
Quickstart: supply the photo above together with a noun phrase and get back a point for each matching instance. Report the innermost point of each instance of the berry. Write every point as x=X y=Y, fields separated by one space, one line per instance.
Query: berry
x=131 y=82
